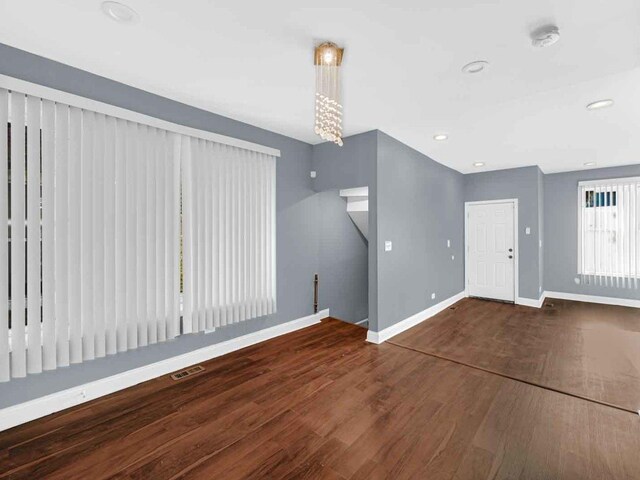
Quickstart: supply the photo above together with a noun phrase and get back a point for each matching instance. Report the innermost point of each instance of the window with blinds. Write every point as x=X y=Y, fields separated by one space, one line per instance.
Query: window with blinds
x=609 y=232
x=96 y=209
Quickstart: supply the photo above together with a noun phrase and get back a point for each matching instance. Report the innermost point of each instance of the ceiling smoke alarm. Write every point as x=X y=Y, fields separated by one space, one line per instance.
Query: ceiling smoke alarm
x=545 y=36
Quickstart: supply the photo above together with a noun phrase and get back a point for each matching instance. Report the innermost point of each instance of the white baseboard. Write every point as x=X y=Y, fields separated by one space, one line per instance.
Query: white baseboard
x=578 y=297
x=40 y=407
x=412 y=321
x=530 y=302
x=362 y=321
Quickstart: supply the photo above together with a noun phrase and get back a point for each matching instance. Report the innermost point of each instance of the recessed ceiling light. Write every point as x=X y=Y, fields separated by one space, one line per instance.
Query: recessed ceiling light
x=478 y=164
x=600 y=104
x=545 y=36
x=589 y=164
x=119 y=12
x=475 y=67
x=441 y=136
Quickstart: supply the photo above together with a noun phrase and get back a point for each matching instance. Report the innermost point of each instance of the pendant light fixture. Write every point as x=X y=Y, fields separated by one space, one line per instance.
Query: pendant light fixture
x=327 y=60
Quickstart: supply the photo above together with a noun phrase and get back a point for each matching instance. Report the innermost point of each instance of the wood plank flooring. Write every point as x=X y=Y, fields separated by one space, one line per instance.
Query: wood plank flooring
x=323 y=403
x=584 y=349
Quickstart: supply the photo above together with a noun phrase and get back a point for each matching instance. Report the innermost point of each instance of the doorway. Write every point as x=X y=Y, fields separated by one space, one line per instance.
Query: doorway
x=491 y=248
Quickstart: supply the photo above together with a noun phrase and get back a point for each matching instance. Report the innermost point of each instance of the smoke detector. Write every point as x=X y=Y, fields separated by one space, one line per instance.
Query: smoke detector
x=545 y=36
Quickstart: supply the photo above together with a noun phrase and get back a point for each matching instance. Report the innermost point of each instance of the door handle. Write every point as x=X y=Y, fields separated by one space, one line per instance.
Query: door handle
x=510 y=256
x=511 y=249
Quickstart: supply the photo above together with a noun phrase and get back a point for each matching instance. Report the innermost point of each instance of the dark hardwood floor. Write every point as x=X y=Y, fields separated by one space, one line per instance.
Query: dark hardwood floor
x=323 y=403
x=585 y=349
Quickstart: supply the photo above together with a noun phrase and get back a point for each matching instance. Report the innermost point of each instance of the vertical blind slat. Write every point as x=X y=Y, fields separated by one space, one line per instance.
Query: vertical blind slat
x=110 y=236
x=86 y=249
x=75 y=234
x=152 y=329
x=131 y=235
x=142 y=236
x=208 y=272
x=48 y=236
x=187 y=192
x=161 y=236
x=5 y=373
x=18 y=351
x=121 y=236
x=99 y=236
x=173 y=239
x=62 y=234
x=34 y=333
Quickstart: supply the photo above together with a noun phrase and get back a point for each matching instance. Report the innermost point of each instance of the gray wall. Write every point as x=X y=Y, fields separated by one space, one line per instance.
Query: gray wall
x=420 y=204
x=296 y=204
x=343 y=251
x=561 y=227
x=525 y=185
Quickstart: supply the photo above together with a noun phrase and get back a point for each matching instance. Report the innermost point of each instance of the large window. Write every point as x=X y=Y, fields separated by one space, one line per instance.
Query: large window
x=609 y=235
x=107 y=214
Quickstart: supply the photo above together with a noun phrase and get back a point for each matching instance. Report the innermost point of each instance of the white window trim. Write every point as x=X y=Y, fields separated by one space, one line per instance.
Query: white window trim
x=21 y=86
x=609 y=181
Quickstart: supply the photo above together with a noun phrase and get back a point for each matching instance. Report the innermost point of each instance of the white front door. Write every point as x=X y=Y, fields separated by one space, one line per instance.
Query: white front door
x=491 y=251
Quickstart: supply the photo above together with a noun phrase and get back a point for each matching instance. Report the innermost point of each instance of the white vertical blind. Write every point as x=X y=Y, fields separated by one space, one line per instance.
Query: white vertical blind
x=109 y=247
x=229 y=234
x=98 y=214
x=609 y=232
x=5 y=372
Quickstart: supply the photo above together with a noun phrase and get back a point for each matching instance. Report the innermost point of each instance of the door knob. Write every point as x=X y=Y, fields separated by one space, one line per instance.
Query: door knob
x=511 y=249
x=510 y=256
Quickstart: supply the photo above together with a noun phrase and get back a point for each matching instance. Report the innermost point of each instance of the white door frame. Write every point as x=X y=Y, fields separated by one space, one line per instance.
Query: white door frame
x=516 y=272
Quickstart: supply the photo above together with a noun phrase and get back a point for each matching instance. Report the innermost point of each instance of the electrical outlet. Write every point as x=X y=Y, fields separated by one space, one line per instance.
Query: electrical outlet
x=433 y=296
x=453 y=257
x=313 y=174
x=527 y=231
x=388 y=246
x=448 y=243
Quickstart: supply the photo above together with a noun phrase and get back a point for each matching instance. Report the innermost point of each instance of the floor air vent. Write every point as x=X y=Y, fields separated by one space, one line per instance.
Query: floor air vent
x=188 y=372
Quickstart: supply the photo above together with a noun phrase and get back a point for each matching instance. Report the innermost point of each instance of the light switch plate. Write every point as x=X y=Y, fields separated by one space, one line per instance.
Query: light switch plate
x=388 y=245
x=313 y=174
x=448 y=243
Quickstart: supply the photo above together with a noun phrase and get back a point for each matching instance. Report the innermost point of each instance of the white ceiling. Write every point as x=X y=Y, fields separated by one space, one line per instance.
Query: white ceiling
x=253 y=61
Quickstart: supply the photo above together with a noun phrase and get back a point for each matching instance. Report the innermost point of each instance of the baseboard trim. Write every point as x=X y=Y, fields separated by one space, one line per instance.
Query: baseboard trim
x=362 y=321
x=412 y=321
x=40 y=407
x=530 y=302
x=579 y=297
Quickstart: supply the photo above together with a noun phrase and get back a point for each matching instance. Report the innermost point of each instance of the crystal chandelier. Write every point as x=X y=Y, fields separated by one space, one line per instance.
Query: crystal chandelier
x=327 y=59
